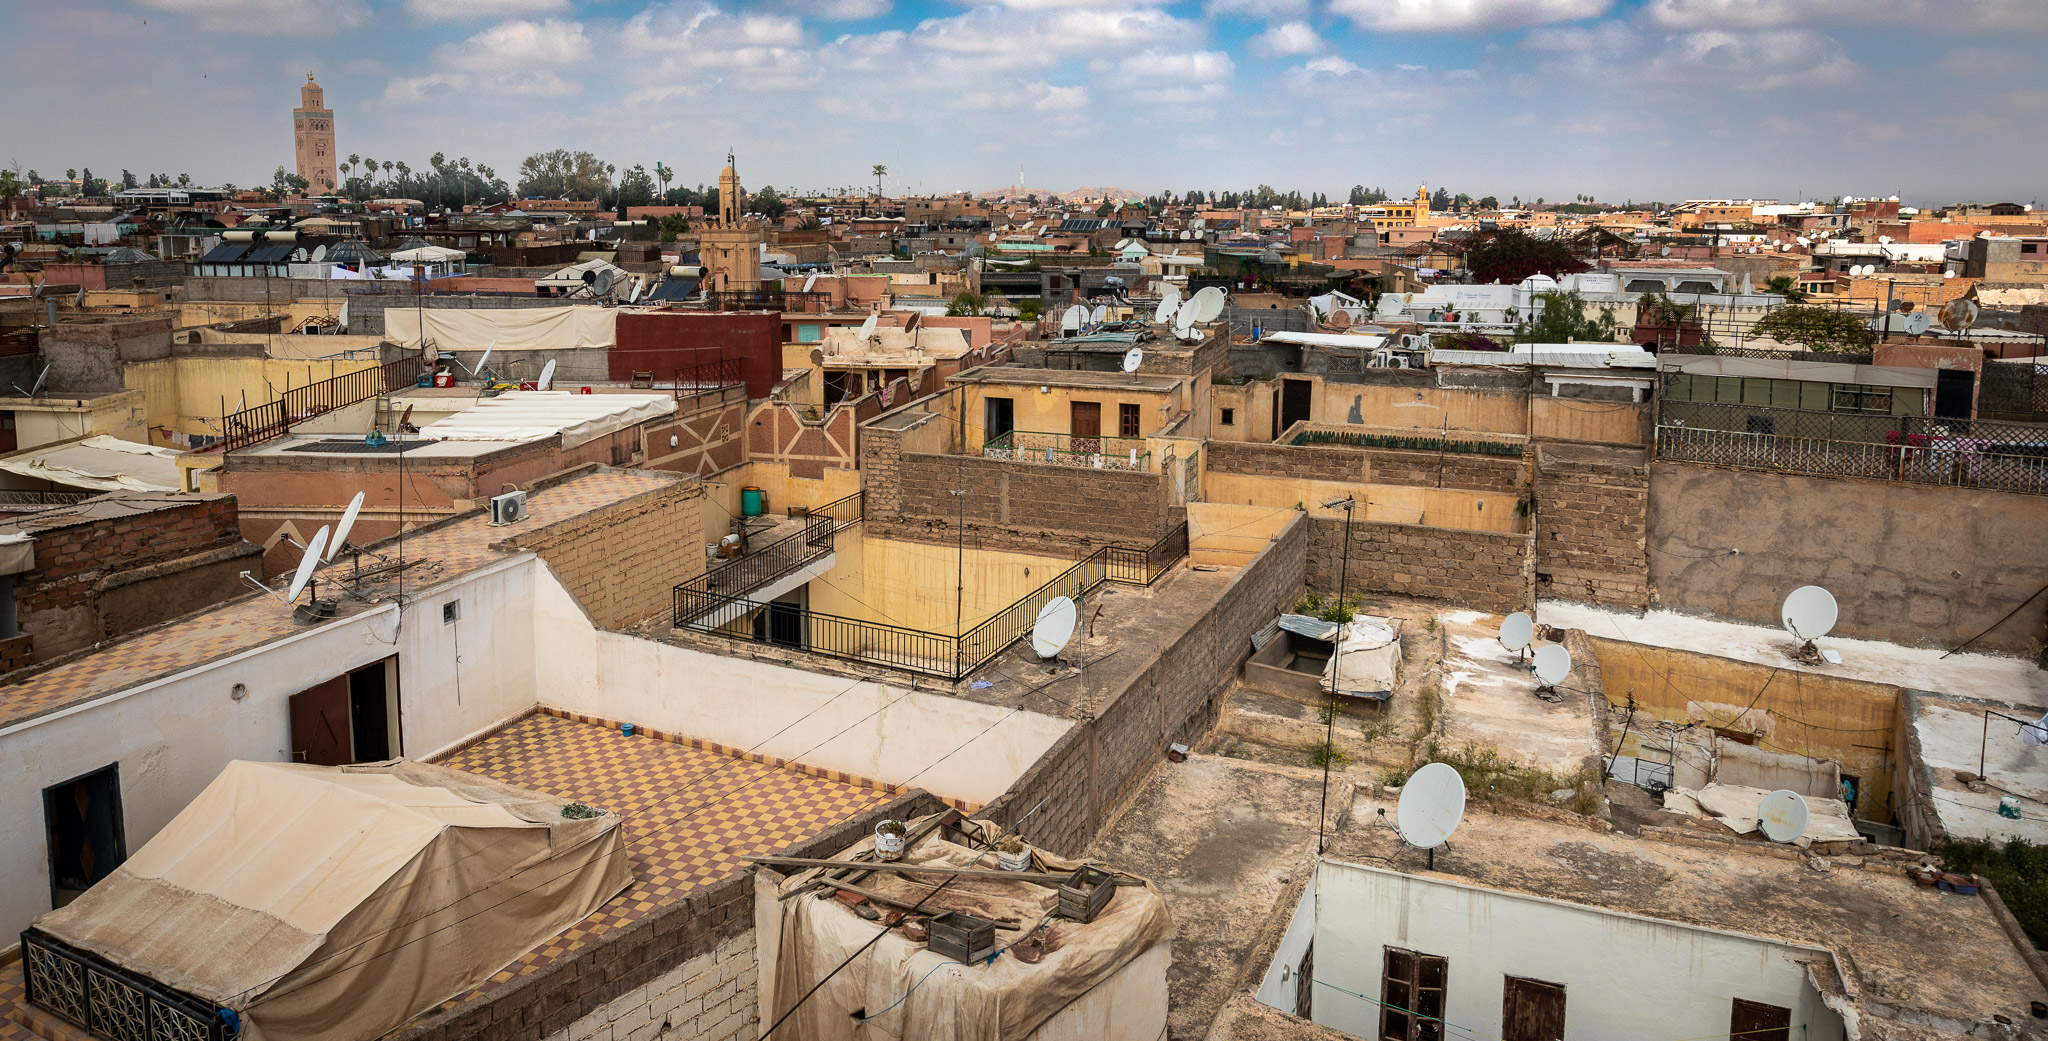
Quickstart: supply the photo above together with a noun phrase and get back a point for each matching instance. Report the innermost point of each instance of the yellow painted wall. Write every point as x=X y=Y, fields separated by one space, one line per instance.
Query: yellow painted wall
x=1823 y=717
x=911 y=584
x=50 y=420
x=1251 y=406
x=188 y=394
x=1386 y=503
x=1419 y=409
x=1052 y=412
x=297 y=346
x=1231 y=535
x=1614 y=422
x=203 y=312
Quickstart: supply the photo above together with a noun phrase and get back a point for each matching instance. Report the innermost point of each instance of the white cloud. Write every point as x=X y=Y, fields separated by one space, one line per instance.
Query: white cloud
x=1606 y=36
x=518 y=48
x=1059 y=99
x=1929 y=15
x=1270 y=10
x=997 y=39
x=838 y=10
x=1287 y=38
x=270 y=17
x=1174 y=78
x=1753 y=61
x=463 y=10
x=1465 y=15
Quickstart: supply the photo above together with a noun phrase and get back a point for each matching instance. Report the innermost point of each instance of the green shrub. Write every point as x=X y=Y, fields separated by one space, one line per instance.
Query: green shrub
x=2017 y=869
x=1328 y=754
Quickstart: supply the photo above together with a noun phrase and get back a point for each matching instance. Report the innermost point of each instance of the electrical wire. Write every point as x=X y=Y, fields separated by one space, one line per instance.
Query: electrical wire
x=913 y=987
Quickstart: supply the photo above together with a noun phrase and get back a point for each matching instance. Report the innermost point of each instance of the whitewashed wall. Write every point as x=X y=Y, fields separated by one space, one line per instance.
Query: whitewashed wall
x=1625 y=977
x=1277 y=988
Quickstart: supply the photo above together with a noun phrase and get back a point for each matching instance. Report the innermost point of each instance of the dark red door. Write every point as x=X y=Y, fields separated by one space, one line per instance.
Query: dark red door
x=1756 y=1021
x=320 y=725
x=1086 y=426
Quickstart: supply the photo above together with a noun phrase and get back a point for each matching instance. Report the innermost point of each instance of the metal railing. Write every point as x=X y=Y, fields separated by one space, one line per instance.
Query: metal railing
x=706 y=595
x=1096 y=453
x=925 y=653
x=108 y=1001
x=272 y=419
x=2010 y=457
x=1696 y=350
x=1408 y=442
x=2013 y=388
x=25 y=497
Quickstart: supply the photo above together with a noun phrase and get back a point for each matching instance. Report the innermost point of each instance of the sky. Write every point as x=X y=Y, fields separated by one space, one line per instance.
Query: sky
x=1934 y=100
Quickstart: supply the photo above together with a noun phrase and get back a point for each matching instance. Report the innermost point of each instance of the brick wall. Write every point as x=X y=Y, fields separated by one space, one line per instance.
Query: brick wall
x=1085 y=775
x=1491 y=571
x=673 y=959
x=623 y=562
x=1592 y=521
x=1375 y=465
x=1261 y=460
x=1026 y=505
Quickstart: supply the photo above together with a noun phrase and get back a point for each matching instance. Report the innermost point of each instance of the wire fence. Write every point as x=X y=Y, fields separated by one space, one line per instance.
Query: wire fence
x=1999 y=456
x=2013 y=388
x=1751 y=352
x=1096 y=453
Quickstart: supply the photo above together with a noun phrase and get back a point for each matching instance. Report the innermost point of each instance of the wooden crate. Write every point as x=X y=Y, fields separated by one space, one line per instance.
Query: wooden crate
x=1083 y=896
x=962 y=936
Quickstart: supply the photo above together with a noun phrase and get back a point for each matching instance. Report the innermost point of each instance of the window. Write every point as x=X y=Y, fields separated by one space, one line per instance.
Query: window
x=1531 y=1010
x=1412 y=996
x=451 y=611
x=1757 y=1021
x=1867 y=400
x=86 y=836
x=2029 y=247
x=1127 y=420
x=1230 y=417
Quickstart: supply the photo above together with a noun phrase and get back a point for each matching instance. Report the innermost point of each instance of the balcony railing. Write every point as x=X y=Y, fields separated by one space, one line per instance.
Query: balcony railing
x=708 y=595
x=260 y=423
x=1095 y=453
x=2010 y=457
x=916 y=651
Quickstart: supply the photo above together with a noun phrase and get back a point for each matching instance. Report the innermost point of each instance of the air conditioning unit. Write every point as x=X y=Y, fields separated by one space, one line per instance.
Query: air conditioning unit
x=509 y=508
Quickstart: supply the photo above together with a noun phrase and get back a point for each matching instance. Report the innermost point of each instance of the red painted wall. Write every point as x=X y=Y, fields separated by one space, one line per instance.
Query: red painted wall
x=665 y=341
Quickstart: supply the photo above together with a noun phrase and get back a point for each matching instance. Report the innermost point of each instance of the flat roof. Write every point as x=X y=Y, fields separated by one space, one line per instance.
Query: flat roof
x=110 y=506
x=1956 y=736
x=1015 y=376
x=459 y=546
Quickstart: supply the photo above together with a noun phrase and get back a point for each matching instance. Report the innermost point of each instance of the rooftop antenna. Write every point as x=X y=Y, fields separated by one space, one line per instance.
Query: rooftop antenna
x=1516 y=630
x=37 y=386
x=547 y=378
x=1134 y=358
x=1783 y=815
x=1553 y=664
x=1431 y=807
x=314 y=609
x=1809 y=613
x=1054 y=628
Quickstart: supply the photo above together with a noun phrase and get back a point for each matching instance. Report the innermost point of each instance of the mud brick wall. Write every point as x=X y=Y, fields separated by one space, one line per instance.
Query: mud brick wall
x=1261 y=460
x=1026 y=506
x=1085 y=775
x=1592 y=525
x=1370 y=465
x=623 y=562
x=1490 y=571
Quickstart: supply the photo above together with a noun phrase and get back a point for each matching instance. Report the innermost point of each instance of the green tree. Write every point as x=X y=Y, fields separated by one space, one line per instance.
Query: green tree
x=1510 y=256
x=664 y=175
x=71 y=174
x=10 y=186
x=636 y=188
x=768 y=203
x=283 y=183
x=1787 y=287
x=1488 y=202
x=1821 y=329
x=878 y=171
x=966 y=305
x=673 y=225
x=1029 y=308
x=811 y=224
x=561 y=174
x=1563 y=320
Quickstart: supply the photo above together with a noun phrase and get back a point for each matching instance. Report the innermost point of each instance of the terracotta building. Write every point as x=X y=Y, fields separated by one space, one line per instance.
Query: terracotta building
x=731 y=248
x=313 y=138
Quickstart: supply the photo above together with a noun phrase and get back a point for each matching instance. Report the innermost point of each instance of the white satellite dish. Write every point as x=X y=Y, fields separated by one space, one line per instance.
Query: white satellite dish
x=1171 y=294
x=1885 y=239
x=639 y=286
x=1164 y=312
x=1055 y=626
x=486 y=359
x=1072 y=320
x=1209 y=304
x=1783 y=816
x=1665 y=252
x=348 y=522
x=547 y=376
x=1516 y=630
x=867 y=328
x=1096 y=316
x=811 y=281
x=1809 y=612
x=306 y=565
x=1553 y=664
x=1432 y=803
x=1134 y=358
x=1804 y=241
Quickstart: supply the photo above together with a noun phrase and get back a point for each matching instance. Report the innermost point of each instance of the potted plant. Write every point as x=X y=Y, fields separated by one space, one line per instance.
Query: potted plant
x=889 y=839
x=1012 y=854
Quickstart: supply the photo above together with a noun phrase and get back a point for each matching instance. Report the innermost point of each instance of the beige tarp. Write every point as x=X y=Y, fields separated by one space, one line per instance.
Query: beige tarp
x=339 y=902
x=573 y=327
x=100 y=463
x=524 y=415
x=1366 y=660
x=1740 y=807
x=1003 y=1000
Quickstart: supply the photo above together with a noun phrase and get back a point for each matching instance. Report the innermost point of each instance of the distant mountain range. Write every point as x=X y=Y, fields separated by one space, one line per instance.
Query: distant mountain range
x=1082 y=194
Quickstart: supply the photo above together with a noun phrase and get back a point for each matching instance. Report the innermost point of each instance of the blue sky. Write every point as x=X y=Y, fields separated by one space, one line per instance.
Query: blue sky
x=1937 y=100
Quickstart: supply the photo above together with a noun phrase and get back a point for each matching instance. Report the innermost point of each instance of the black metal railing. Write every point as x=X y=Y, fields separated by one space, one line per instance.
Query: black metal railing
x=111 y=1002
x=766 y=300
x=26 y=497
x=260 y=423
x=1097 y=453
x=911 y=650
x=708 y=594
x=1752 y=352
x=2000 y=456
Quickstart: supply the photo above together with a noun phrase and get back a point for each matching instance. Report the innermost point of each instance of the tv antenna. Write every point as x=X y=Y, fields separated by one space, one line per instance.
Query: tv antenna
x=1809 y=613
x=1431 y=807
x=1516 y=630
x=36 y=387
x=1553 y=663
x=1134 y=358
x=1054 y=628
x=1783 y=815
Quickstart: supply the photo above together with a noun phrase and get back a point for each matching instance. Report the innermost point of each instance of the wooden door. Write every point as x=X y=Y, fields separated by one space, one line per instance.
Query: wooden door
x=1756 y=1021
x=1532 y=1010
x=1296 y=402
x=321 y=734
x=1085 y=428
x=1305 y=982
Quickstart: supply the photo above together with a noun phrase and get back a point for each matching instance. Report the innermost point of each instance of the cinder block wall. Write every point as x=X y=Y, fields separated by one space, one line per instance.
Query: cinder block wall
x=623 y=562
x=1374 y=465
x=1492 y=571
x=1592 y=525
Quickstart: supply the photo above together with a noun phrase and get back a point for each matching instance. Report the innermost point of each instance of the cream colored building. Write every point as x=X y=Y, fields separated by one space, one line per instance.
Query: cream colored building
x=731 y=248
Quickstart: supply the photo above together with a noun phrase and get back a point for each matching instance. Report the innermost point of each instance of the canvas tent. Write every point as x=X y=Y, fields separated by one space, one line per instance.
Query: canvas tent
x=582 y=327
x=339 y=902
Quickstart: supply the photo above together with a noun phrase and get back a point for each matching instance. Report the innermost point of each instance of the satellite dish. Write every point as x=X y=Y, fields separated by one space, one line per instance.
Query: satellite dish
x=348 y=521
x=1055 y=626
x=1958 y=314
x=486 y=359
x=1134 y=358
x=306 y=565
x=811 y=281
x=639 y=284
x=547 y=376
x=1072 y=319
x=1918 y=322
x=1809 y=612
x=1164 y=312
x=1783 y=816
x=1553 y=664
x=1665 y=252
x=1171 y=293
x=1804 y=241
x=1516 y=630
x=1096 y=316
x=319 y=254
x=867 y=328
x=1432 y=803
x=1886 y=239
x=1209 y=304
x=602 y=286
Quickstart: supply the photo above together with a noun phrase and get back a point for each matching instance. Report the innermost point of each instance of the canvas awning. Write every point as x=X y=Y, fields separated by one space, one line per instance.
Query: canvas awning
x=340 y=902
x=530 y=414
x=428 y=255
x=1367 y=661
x=99 y=463
x=507 y=329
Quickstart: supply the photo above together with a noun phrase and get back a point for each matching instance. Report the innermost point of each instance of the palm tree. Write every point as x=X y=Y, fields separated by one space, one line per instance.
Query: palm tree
x=1787 y=287
x=879 y=172
x=437 y=162
x=463 y=165
x=662 y=174
x=402 y=171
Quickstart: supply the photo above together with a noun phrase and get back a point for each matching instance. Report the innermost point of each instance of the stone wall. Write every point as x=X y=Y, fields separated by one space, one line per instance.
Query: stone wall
x=623 y=562
x=1916 y=564
x=88 y=354
x=1010 y=504
x=1592 y=520
x=1490 y=571
x=1084 y=776
x=1370 y=465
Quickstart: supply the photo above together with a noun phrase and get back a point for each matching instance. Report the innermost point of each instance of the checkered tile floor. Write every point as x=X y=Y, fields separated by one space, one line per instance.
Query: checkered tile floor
x=690 y=813
x=245 y=624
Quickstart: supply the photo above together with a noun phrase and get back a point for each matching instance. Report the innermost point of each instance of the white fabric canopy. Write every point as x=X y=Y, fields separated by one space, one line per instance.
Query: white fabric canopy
x=531 y=414
x=428 y=255
x=572 y=276
x=505 y=329
x=100 y=463
x=1367 y=657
